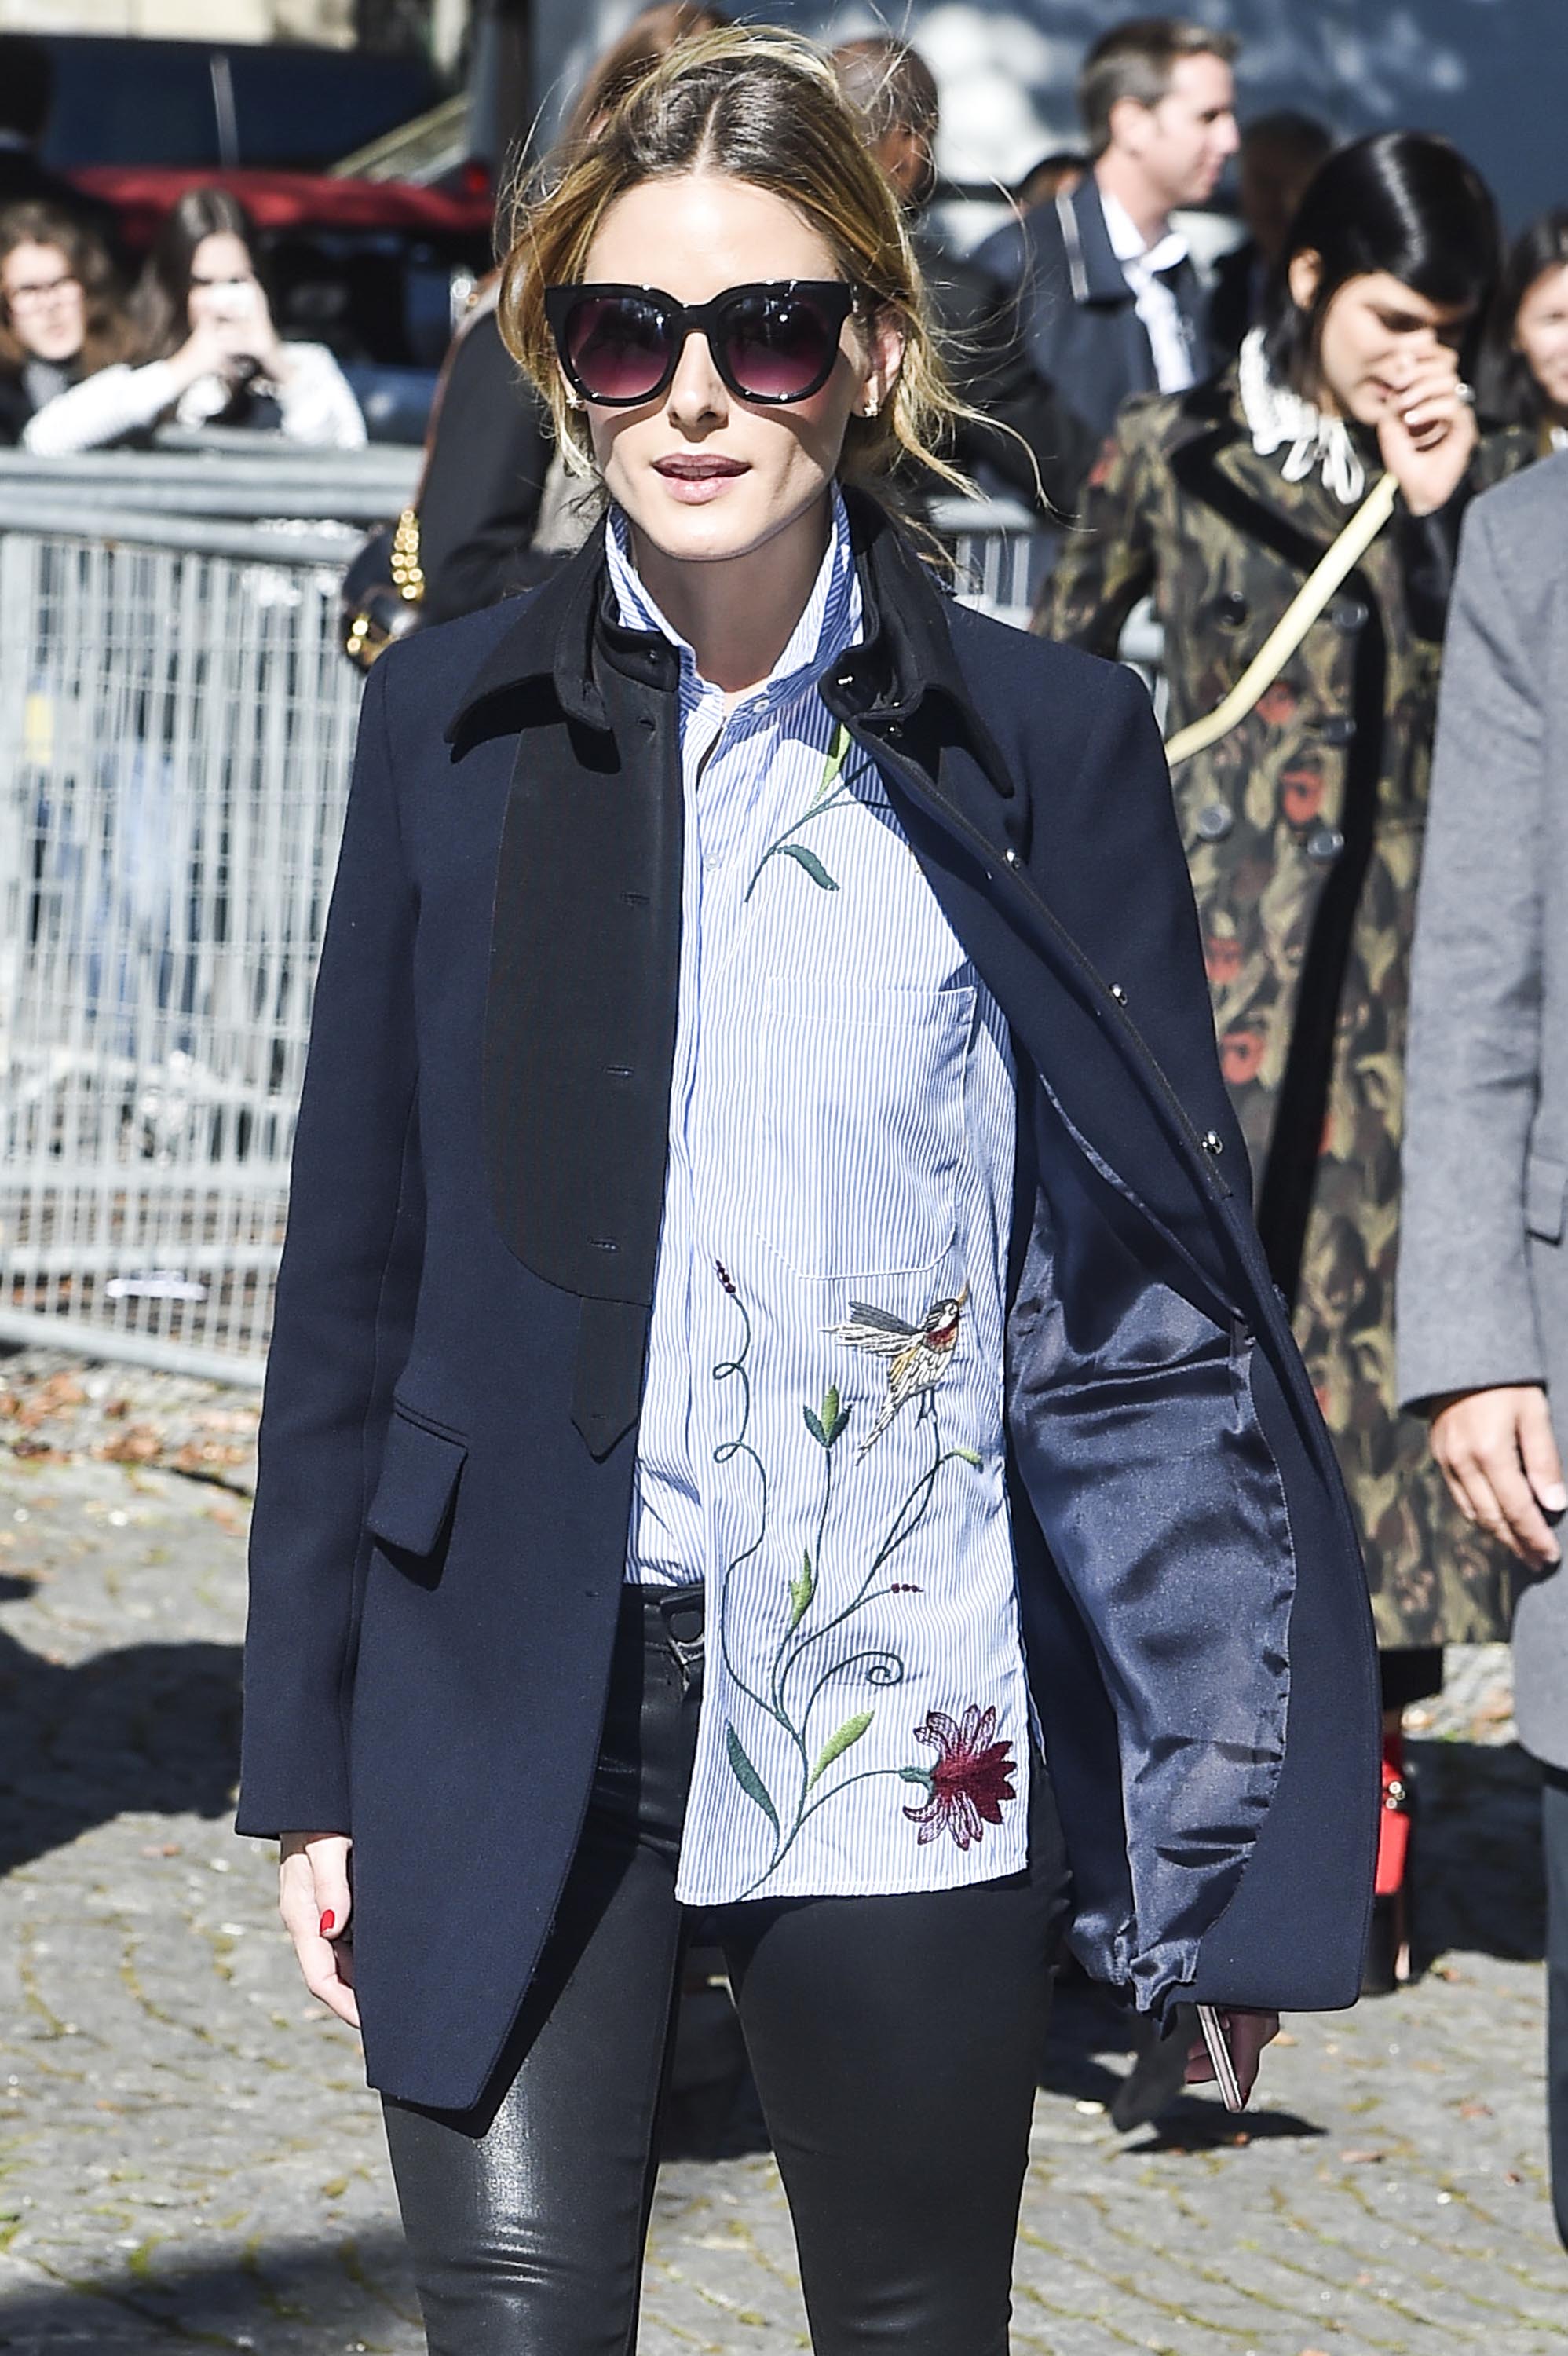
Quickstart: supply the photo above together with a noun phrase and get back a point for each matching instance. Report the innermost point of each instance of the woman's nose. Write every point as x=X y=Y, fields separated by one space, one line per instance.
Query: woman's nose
x=696 y=390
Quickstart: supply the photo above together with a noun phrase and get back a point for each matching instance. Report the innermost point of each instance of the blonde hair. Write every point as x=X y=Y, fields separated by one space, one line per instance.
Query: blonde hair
x=765 y=107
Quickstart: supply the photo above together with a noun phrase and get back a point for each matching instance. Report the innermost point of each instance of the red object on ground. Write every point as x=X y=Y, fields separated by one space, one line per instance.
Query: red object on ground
x=142 y=193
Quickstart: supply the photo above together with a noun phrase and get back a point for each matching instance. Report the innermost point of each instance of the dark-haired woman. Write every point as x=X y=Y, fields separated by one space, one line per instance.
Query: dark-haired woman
x=1302 y=825
x=1524 y=367
x=211 y=355
x=62 y=314
x=755 y=984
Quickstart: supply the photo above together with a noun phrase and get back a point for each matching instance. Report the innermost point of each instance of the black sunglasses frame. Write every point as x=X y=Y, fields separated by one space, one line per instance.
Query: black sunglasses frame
x=836 y=297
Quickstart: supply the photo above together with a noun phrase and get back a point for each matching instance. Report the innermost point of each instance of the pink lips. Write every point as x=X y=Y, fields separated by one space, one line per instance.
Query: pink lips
x=695 y=480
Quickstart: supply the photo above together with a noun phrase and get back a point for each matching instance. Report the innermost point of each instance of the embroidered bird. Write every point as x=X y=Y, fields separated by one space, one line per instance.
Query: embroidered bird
x=918 y=1356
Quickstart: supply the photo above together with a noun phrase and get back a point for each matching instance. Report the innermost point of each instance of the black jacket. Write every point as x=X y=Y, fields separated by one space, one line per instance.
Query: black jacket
x=983 y=345
x=451 y=1420
x=1077 y=312
x=480 y=501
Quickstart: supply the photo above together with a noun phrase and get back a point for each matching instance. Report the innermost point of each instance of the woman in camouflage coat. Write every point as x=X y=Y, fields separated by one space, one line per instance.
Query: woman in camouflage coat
x=1303 y=824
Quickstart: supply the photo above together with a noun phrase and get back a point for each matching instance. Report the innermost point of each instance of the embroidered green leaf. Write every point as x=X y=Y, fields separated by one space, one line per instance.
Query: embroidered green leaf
x=825 y=1424
x=810 y=862
x=837 y=753
x=970 y=1457
x=917 y=1775
x=747 y=1777
x=801 y=1591
x=835 y=1746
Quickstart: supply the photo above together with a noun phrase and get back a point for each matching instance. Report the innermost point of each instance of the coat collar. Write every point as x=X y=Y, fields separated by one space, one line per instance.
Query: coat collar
x=1093 y=271
x=564 y=627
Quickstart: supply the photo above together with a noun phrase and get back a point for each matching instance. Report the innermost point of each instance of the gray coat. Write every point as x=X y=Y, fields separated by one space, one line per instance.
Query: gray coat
x=1483 y=1280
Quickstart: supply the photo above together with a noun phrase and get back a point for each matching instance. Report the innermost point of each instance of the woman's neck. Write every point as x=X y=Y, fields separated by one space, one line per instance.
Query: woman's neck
x=738 y=613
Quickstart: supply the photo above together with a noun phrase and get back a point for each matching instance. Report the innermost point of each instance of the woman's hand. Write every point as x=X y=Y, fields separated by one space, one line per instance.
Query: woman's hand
x=204 y=352
x=253 y=337
x=1428 y=432
x=1498 y=1454
x=1246 y=2034
x=314 y=1899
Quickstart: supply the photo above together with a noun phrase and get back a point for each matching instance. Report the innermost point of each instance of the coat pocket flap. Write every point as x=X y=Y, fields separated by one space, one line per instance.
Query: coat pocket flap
x=1545 y=1185
x=419 y=1471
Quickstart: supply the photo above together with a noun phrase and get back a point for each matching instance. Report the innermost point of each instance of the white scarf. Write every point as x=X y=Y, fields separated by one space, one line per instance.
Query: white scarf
x=1281 y=420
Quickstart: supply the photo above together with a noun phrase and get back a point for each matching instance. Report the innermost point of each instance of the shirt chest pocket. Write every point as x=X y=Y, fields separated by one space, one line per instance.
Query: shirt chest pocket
x=861 y=1134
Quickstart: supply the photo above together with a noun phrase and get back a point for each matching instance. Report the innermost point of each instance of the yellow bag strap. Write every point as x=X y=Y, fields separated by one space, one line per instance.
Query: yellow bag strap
x=1291 y=627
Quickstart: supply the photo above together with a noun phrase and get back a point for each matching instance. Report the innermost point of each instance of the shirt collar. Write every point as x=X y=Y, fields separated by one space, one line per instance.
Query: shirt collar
x=1167 y=252
x=830 y=620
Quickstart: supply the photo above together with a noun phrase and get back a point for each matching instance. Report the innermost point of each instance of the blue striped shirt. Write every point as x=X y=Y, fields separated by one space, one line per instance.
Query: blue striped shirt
x=821 y=1437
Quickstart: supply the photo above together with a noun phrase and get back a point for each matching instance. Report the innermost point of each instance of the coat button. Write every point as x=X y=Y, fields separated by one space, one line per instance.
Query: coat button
x=1230 y=609
x=1338 y=729
x=1350 y=614
x=1325 y=843
x=1214 y=822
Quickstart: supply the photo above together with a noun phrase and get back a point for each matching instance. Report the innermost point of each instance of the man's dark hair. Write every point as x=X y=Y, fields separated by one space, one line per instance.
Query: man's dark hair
x=1403 y=201
x=1136 y=60
x=26 y=86
x=890 y=84
x=1300 y=136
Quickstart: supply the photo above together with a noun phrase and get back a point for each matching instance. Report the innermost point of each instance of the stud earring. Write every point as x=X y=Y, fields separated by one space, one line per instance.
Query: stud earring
x=871 y=408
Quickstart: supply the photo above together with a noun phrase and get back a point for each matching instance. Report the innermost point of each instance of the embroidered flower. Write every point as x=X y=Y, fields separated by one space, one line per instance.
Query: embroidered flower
x=972 y=1777
x=1242 y=1054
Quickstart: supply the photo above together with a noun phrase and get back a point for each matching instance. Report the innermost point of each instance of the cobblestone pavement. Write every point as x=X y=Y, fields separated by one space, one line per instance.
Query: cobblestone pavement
x=188 y=2155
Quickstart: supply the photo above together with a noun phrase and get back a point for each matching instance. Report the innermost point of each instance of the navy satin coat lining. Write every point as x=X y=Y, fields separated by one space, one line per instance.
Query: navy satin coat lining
x=1137 y=1440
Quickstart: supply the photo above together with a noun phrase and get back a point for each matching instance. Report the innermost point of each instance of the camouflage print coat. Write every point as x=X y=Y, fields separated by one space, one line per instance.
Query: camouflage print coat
x=1304 y=831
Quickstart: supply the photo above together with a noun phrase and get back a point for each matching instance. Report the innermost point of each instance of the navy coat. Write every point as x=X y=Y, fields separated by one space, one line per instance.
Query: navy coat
x=450 y=1429
x=1077 y=312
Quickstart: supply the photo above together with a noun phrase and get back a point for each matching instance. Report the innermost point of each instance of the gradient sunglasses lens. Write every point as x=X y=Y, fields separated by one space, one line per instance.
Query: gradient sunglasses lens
x=617 y=347
x=776 y=346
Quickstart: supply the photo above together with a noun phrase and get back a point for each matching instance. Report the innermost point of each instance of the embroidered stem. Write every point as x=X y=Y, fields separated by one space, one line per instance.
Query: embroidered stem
x=834 y=790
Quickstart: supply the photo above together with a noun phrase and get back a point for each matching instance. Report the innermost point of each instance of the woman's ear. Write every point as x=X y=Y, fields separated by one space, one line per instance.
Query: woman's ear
x=1304 y=278
x=885 y=340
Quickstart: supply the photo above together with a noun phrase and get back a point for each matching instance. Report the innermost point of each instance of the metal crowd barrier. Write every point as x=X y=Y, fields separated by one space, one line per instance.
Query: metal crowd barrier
x=175 y=726
x=175 y=723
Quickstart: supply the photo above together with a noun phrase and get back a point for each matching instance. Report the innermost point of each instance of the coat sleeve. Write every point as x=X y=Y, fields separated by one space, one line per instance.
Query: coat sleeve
x=1107 y=561
x=342 y=1317
x=1466 y=1317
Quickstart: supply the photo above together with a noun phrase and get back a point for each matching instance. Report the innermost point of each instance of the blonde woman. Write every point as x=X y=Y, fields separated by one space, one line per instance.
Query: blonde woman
x=762 y=1009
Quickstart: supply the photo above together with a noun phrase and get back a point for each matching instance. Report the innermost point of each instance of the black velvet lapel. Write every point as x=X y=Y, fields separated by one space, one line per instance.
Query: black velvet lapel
x=580 y=1020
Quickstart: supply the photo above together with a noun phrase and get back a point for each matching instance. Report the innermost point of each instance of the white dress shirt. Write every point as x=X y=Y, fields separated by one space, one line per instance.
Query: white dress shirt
x=1153 y=299
x=840 y=1163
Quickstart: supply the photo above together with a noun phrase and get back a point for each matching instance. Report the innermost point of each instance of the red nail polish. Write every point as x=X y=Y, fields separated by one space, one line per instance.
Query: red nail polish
x=328 y=1919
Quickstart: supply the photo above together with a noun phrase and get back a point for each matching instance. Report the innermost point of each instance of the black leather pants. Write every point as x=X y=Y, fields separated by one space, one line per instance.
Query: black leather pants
x=895 y=2042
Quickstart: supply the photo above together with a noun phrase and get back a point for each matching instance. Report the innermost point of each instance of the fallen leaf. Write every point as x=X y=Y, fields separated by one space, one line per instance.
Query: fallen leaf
x=1361 y=2159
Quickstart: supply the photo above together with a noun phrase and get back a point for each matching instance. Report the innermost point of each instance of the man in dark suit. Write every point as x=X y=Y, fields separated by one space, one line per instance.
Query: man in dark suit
x=895 y=92
x=1109 y=297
